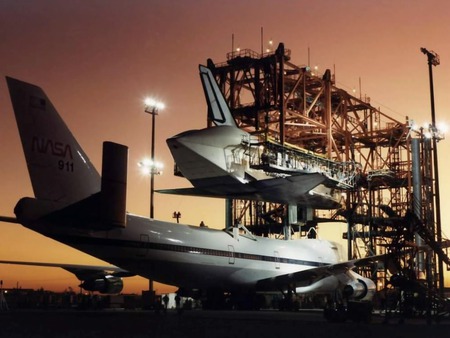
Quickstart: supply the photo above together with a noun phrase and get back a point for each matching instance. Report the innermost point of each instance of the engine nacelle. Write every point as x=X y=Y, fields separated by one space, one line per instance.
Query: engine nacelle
x=106 y=285
x=360 y=289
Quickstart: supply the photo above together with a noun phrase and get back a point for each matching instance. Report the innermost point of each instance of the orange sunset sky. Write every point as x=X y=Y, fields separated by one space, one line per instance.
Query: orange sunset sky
x=98 y=59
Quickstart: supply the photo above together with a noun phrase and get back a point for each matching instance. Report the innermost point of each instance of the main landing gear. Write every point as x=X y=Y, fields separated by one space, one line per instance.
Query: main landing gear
x=339 y=310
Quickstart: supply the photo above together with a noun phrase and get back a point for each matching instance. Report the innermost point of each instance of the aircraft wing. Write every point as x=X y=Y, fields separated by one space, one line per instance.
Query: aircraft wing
x=287 y=190
x=82 y=272
x=309 y=276
x=216 y=192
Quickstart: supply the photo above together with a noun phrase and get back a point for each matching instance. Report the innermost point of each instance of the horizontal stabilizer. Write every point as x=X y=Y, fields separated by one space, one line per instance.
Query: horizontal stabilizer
x=8 y=219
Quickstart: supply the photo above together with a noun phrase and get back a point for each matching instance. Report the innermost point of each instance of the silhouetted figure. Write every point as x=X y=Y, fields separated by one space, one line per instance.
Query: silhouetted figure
x=166 y=302
x=178 y=303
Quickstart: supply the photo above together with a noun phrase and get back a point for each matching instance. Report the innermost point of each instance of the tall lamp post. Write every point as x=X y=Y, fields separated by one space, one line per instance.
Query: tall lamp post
x=149 y=166
x=433 y=60
x=152 y=107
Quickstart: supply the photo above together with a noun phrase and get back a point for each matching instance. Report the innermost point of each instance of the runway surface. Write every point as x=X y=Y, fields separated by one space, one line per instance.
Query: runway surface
x=199 y=324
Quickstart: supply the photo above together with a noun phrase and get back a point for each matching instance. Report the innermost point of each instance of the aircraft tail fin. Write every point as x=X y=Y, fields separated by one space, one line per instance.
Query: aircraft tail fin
x=218 y=110
x=60 y=171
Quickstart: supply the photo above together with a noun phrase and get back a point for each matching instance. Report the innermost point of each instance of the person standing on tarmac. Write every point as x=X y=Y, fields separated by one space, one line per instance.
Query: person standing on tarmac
x=166 y=302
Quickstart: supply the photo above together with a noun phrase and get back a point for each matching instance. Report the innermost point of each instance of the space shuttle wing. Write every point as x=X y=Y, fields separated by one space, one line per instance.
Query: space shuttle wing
x=295 y=189
x=301 y=183
x=310 y=276
x=217 y=192
x=298 y=183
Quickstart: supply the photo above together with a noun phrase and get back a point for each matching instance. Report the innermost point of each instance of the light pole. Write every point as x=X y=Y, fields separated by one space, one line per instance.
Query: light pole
x=149 y=166
x=152 y=107
x=433 y=60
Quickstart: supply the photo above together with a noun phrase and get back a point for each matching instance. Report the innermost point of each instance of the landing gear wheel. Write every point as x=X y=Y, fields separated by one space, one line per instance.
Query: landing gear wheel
x=336 y=314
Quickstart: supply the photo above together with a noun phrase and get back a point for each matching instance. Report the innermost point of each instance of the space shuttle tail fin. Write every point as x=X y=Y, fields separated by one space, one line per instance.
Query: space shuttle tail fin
x=61 y=173
x=218 y=110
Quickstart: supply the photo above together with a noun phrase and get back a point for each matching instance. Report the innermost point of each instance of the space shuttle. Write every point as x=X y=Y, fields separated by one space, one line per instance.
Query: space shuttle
x=227 y=162
x=76 y=205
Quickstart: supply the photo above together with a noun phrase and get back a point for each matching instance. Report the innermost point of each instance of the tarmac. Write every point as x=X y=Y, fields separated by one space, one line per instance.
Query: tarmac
x=200 y=323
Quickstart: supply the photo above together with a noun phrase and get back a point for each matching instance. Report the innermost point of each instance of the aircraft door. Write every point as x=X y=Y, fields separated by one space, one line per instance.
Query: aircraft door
x=277 y=259
x=231 y=254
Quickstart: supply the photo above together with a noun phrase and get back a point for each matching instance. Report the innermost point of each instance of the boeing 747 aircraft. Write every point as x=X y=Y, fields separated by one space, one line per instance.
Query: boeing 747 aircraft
x=77 y=206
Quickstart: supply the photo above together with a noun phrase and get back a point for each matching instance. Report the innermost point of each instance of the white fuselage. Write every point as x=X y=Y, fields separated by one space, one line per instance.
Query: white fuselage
x=73 y=204
x=197 y=257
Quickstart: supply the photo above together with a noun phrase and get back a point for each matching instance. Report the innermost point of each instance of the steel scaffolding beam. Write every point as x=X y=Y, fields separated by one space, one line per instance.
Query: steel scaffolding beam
x=270 y=96
x=292 y=105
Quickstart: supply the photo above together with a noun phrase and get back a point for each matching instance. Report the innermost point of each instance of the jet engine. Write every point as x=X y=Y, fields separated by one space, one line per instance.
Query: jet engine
x=106 y=285
x=360 y=289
